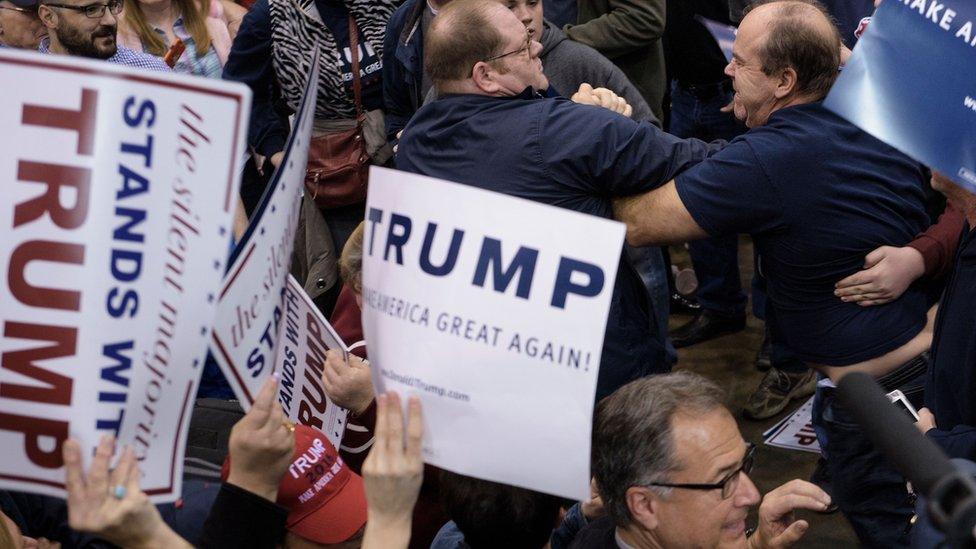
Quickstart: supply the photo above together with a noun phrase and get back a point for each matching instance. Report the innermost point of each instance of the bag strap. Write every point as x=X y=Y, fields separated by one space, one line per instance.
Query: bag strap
x=356 y=86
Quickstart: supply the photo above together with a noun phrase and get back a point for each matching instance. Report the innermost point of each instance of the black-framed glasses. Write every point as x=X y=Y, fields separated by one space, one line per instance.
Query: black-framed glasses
x=93 y=11
x=528 y=44
x=728 y=484
x=28 y=11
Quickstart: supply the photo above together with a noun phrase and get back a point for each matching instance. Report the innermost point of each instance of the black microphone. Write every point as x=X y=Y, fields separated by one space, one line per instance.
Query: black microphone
x=951 y=493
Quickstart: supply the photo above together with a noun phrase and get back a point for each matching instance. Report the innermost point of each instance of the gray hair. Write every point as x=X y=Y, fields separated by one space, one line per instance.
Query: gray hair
x=802 y=36
x=632 y=440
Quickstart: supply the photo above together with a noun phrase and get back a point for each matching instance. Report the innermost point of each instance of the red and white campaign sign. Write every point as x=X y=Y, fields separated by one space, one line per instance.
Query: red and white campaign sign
x=305 y=337
x=246 y=332
x=114 y=235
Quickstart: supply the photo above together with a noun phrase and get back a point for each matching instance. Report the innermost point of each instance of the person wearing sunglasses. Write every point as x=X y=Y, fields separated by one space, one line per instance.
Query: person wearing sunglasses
x=84 y=28
x=19 y=26
x=673 y=471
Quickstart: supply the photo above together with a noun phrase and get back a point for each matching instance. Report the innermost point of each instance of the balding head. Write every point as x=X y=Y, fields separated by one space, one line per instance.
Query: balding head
x=786 y=53
x=461 y=35
x=801 y=35
x=480 y=46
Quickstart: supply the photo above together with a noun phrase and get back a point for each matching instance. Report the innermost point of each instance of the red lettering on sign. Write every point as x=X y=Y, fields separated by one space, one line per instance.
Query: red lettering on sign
x=34 y=429
x=54 y=388
x=54 y=176
x=44 y=250
x=82 y=121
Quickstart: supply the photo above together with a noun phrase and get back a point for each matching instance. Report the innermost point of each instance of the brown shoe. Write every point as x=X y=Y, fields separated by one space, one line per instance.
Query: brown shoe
x=776 y=390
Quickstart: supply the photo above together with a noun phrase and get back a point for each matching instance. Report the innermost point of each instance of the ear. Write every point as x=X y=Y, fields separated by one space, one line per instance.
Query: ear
x=644 y=506
x=786 y=84
x=47 y=16
x=483 y=76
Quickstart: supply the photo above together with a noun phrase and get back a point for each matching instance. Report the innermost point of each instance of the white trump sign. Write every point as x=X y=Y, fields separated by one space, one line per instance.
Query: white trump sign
x=245 y=336
x=114 y=234
x=492 y=310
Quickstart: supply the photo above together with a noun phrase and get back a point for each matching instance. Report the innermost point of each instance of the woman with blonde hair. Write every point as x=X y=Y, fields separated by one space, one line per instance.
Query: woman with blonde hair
x=192 y=36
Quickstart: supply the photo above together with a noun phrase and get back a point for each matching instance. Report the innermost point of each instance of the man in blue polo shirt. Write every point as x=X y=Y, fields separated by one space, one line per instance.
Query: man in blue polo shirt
x=817 y=194
x=490 y=129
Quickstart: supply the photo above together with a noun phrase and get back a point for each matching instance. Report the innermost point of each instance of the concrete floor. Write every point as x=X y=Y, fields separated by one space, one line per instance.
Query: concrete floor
x=730 y=361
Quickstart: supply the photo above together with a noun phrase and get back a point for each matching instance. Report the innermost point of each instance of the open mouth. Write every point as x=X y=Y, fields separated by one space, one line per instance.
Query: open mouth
x=735 y=529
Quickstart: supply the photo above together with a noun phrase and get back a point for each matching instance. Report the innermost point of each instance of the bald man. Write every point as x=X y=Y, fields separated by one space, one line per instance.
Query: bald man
x=491 y=128
x=817 y=194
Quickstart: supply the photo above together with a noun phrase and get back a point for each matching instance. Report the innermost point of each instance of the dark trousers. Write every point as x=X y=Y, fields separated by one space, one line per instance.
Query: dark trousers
x=342 y=222
x=781 y=357
x=695 y=113
x=864 y=485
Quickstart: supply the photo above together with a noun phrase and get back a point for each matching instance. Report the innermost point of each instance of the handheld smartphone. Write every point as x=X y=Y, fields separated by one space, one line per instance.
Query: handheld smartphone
x=901 y=402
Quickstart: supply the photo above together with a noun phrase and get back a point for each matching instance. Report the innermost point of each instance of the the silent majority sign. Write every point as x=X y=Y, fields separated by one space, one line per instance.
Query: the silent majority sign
x=911 y=82
x=492 y=310
x=265 y=321
x=120 y=187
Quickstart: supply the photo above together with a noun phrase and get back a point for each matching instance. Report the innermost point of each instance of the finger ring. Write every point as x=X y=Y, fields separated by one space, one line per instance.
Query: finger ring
x=118 y=491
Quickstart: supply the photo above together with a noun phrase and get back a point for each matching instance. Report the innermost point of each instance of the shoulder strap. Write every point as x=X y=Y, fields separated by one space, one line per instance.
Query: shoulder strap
x=354 y=47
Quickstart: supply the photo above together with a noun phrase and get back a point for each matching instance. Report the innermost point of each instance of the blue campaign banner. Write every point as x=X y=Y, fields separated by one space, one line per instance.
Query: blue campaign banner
x=911 y=82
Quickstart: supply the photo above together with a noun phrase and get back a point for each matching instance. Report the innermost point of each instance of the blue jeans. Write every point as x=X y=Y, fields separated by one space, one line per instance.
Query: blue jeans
x=716 y=259
x=649 y=264
x=866 y=488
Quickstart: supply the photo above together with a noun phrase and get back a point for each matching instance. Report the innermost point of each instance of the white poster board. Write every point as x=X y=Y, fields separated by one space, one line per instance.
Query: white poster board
x=492 y=310
x=248 y=318
x=795 y=431
x=114 y=233
x=305 y=337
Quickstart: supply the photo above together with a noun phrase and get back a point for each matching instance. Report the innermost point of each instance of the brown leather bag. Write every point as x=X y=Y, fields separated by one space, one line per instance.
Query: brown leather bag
x=338 y=164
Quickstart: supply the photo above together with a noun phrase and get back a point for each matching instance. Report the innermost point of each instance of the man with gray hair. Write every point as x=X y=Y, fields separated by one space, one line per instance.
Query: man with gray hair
x=817 y=194
x=673 y=471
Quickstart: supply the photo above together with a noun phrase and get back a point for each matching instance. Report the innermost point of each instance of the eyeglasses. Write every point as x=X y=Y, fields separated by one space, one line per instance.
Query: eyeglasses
x=727 y=485
x=93 y=11
x=21 y=10
x=528 y=44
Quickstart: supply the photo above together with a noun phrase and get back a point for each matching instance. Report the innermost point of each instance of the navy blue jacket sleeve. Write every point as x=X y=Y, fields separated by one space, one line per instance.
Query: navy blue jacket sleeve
x=960 y=442
x=244 y=520
x=249 y=62
x=609 y=154
x=396 y=89
x=572 y=523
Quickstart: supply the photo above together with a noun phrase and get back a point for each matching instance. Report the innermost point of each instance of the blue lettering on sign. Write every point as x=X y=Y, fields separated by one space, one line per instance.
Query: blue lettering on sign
x=522 y=266
x=114 y=374
x=125 y=265
x=565 y=285
x=452 y=254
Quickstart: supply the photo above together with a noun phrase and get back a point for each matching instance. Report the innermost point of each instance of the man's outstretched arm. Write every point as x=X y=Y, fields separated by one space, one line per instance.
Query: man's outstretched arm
x=657 y=217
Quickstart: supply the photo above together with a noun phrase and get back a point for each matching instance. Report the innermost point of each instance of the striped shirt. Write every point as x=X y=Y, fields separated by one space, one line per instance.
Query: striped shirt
x=123 y=56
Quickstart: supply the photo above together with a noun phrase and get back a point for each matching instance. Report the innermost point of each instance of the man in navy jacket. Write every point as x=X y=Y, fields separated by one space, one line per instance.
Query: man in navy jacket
x=491 y=129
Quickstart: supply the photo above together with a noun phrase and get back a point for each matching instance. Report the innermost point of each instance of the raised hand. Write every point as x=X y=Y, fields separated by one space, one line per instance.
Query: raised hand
x=348 y=384
x=109 y=504
x=261 y=445
x=392 y=473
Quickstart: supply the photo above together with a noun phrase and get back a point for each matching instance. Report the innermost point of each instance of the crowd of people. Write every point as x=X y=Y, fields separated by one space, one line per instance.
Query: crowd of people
x=622 y=109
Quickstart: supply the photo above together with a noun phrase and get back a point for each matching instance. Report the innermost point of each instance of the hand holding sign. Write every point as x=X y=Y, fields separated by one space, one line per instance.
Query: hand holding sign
x=347 y=383
x=261 y=445
x=110 y=504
